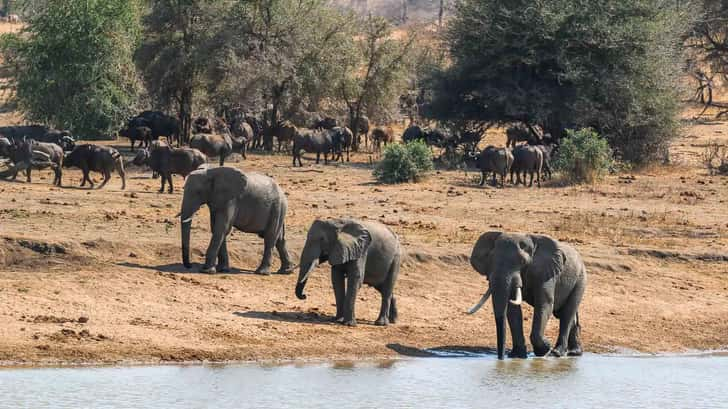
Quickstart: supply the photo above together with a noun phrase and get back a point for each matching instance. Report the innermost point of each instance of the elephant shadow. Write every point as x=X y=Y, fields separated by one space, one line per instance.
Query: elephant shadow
x=449 y=351
x=287 y=316
x=180 y=268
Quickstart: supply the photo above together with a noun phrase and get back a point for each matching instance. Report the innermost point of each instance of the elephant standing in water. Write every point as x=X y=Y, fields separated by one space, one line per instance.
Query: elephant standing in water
x=547 y=274
x=358 y=251
x=250 y=202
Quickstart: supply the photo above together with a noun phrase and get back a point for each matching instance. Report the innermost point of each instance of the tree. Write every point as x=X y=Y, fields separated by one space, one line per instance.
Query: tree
x=72 y=64
x=707 y=44
x=566 y=64
x=376 y=74
x=175 y=52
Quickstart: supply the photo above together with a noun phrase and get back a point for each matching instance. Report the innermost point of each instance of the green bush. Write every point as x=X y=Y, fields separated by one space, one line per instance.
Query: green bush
x=583 y=156
x=404 y=163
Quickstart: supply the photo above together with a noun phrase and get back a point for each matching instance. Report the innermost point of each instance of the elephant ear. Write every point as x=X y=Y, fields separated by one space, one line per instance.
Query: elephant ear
x=225 y=185
x=482 y=251
x=548 y=258
x=352 y=241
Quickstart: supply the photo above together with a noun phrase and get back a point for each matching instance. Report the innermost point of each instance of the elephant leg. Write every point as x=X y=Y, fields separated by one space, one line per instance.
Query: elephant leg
x=387 y=290
x=164 y=180
x=223 y=260
x=355 y=276
x=27 y=174
x=318 y=157
x=169 y=181
x=220 y=222
x=482 y=179
x=567 y=318
x=339 y=285
x=515 y=322
x=574 y=348
x=286 y=265
x=393 y=316
x=269 y=241
x=542 y=310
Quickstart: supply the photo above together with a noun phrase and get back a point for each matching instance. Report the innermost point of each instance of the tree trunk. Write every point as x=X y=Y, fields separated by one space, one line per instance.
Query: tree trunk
x=441 y=14
x=185 y=116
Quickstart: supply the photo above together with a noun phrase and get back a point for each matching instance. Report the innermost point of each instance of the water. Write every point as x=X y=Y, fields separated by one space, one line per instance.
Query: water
x=588 y=382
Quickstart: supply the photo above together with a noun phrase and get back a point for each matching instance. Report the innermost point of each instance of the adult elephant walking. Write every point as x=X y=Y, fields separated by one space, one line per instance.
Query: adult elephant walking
x=250 y=202
x=360 y=252
x=547 y=274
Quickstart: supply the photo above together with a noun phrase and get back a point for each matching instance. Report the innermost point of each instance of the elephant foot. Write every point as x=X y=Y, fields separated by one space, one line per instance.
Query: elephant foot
x=208 y=270
x=558 y=351
x=287 y=269
x=350 y=323
x=382 y=322
x=541 y=350
x=574 y=351
x=160 y=190
x=264 y=271
x=223 y=269
x=338 y=320
x=518 y=352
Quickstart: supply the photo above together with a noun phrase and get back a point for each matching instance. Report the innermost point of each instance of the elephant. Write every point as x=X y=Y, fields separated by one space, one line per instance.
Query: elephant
x=285 y=132
x=360 y=252
x=143 y=134
x=363 y=129
x=341 y=138
x=413 y=133
x=547 y=274
x=317 y=142
x=220 y=145
x=527 y=159
x=496 y=160
x=250 y=202
x=98 y=158
x=166 y=161
x=5 y=146
x=29 y=154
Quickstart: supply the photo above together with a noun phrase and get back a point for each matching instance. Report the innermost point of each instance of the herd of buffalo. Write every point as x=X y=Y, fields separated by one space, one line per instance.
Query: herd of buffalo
x=545 y=273
x=36 y=147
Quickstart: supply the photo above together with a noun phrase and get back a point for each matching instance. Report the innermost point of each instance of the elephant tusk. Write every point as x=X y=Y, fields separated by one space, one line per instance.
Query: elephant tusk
x=188 y=220
x=480 y=303
x=519 y=297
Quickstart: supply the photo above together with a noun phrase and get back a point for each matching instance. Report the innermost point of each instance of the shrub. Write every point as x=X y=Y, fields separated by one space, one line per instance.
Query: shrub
x=583 y=156
x=404 y=163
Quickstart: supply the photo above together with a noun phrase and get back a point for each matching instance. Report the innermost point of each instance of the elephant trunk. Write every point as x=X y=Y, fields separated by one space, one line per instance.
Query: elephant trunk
x=189 y=208
x=500 y=326
x=501 y=295
x=309 y=260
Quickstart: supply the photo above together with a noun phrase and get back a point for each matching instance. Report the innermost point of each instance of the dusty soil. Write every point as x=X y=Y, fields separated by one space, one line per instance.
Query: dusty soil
x=94 y=276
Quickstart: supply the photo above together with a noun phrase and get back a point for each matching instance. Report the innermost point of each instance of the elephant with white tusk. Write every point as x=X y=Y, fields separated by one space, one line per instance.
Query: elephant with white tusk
x=359 y=252
x=545 y=273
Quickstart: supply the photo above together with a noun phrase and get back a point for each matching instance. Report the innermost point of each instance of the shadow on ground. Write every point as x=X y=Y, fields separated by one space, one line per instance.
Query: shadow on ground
x=180 y=268
x=450 y=351
x=287 y=316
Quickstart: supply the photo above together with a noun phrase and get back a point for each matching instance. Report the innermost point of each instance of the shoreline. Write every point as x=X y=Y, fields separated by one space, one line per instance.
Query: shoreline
x=626 y=353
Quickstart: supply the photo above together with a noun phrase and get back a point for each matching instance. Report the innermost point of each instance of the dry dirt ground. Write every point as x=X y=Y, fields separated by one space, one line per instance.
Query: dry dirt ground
x=94 y=276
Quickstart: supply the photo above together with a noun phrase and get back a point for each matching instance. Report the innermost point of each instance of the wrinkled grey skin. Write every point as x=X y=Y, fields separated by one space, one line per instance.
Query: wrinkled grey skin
x=527 y=160
x=96 y=158
x=28 y=154
x=250 y=202
x=317 y=142
x=551 y=277
x=495 y=160
x=342 y=138
x=168 y=161
x=143 y=134
x=213 y=145
x=359 y=252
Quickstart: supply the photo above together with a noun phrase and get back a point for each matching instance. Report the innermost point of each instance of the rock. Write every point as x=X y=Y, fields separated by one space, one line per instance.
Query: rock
x=82 y=320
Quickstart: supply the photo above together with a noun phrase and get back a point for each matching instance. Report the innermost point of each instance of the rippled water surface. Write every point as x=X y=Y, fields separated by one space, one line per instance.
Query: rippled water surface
x=587 y=382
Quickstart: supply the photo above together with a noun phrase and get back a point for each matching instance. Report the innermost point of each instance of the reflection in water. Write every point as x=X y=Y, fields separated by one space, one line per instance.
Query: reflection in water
x=592 y=381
